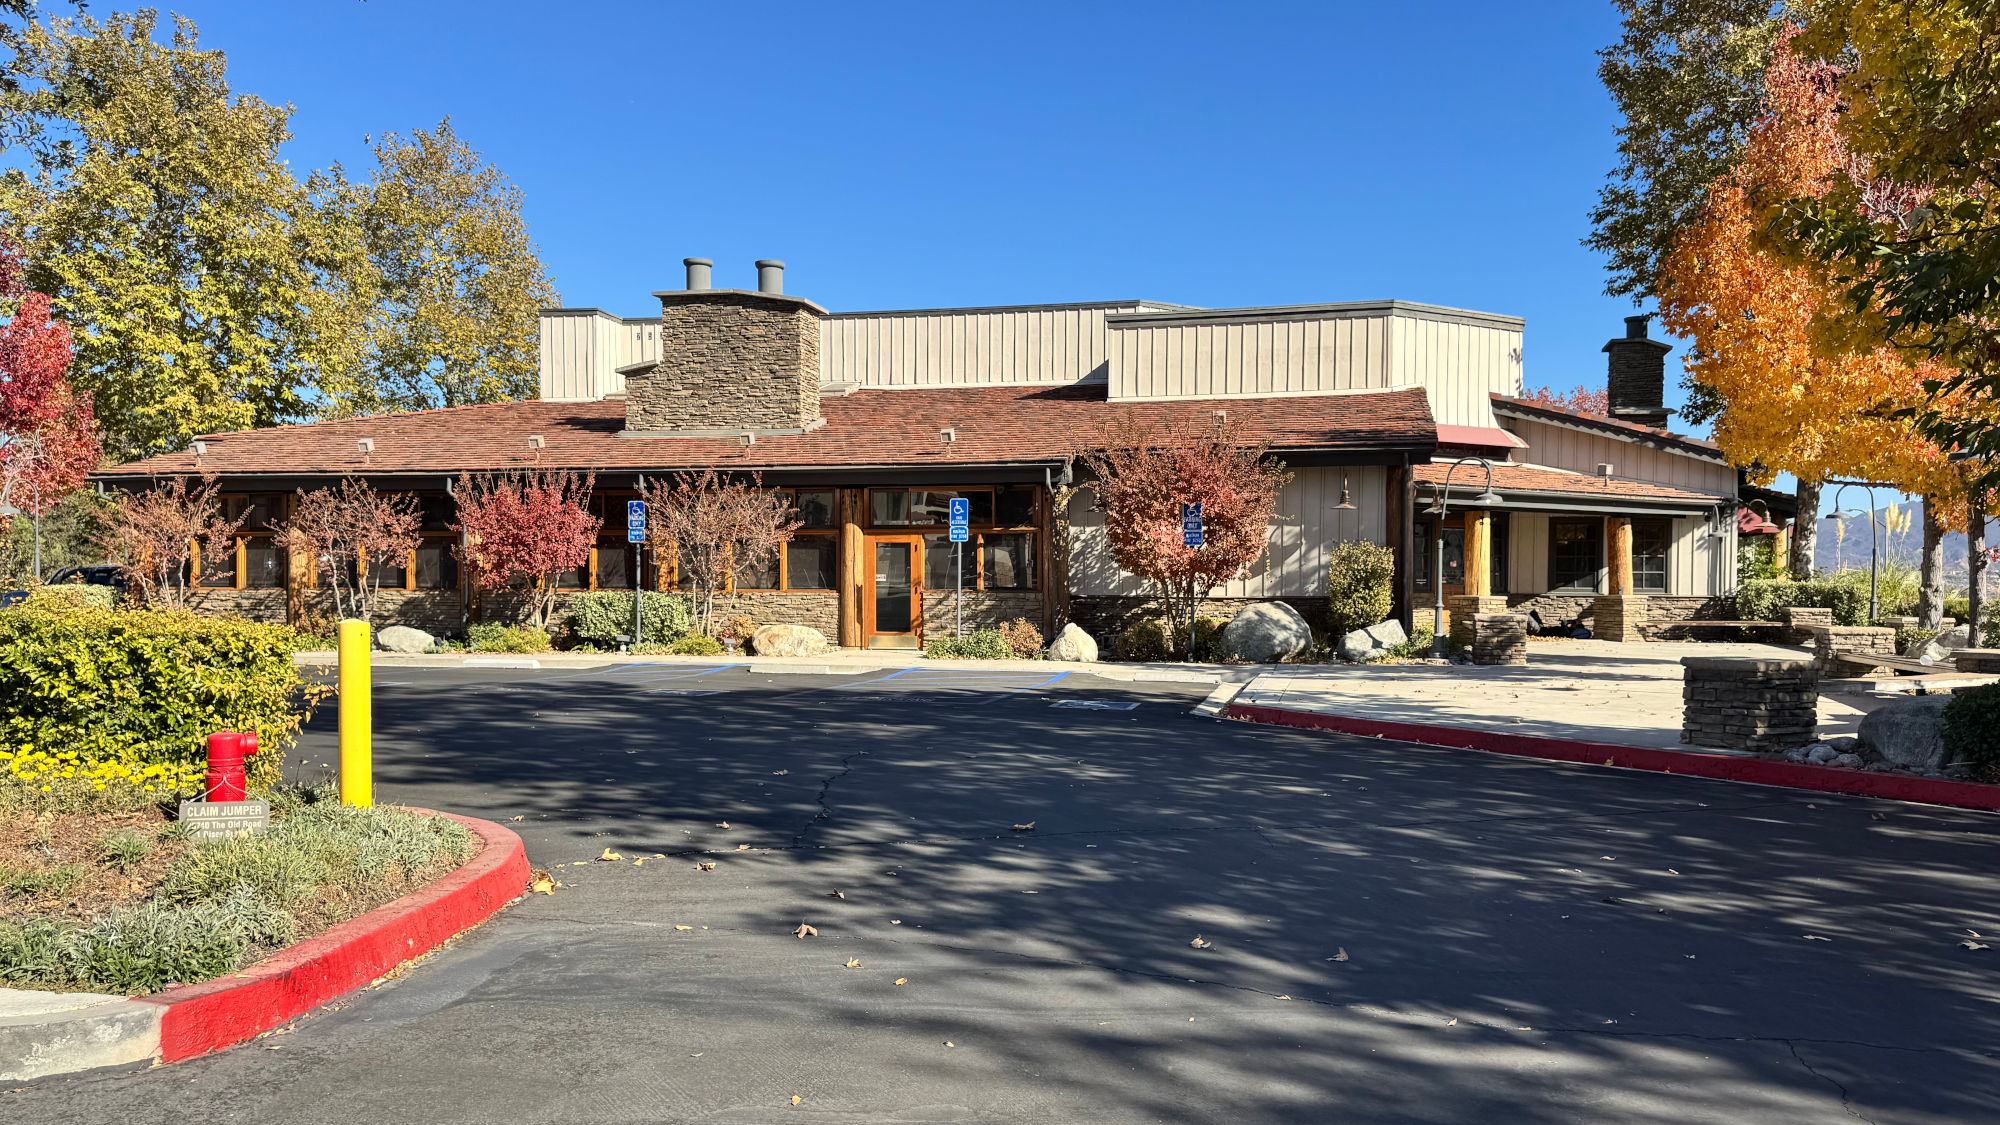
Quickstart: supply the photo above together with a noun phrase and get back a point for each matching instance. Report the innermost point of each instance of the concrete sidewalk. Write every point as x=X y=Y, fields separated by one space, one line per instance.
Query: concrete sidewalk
x=1589 y=691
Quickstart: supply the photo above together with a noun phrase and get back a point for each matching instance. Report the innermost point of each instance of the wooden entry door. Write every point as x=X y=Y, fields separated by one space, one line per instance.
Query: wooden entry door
x=892 y=605
x=1453 y=533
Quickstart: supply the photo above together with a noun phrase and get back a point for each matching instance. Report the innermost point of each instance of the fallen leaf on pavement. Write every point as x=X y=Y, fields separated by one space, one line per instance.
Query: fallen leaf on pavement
x=1339 y=954
x=722 y=824
x=797 y=1099
x=1200 y=943
x=514 y=818
x=779 y=773
x=608 y=856
x=895 y=921
x=1453 y=1022
x=742 y=847
x=1284 y=996
x=542 y=883
x=638 y=863
x=902 y=980
x=704 y=866
x=805 y=931
x=949 y=1043
x=853 y=963
x=1968 y=943
x=835 y=894
x=1816 y=937
x=683 y=927
x=1024 y=827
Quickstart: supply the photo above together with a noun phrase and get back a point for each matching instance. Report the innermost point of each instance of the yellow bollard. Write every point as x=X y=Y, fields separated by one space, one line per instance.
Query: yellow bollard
x=357 y=755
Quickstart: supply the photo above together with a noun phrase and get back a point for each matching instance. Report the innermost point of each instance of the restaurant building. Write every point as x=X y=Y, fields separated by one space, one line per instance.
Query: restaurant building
x=873 y=421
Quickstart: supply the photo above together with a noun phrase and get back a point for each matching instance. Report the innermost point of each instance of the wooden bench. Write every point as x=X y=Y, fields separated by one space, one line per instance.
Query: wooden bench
x=1730 y=621
x=1871 y=660
x=1981 y=660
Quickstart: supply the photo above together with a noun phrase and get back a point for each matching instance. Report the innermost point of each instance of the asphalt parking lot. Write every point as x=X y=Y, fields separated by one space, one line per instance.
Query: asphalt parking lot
x=1008 y=873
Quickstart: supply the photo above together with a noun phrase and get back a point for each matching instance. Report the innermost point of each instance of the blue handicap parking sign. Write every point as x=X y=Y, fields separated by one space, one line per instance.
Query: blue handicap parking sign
x=1191 y=524
x=961 y=511
x=635 y=521
x=959 y=534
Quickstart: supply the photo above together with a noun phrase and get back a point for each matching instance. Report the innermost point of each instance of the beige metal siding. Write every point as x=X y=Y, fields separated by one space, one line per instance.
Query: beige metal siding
x=582 y=350
x=1459 y=364
x=1559 y=447
x=1528 y=553
x=1283 y=355
x=1294 y=565
x=965 y=347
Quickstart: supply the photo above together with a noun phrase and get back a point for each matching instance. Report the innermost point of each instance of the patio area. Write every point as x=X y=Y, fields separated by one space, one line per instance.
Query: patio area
x=1593 y=691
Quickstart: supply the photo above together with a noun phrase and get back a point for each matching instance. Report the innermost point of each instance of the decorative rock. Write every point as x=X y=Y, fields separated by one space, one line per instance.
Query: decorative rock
x=1846 y=761
x=1843 y=744
x=1908 y=731
x=1369 y=643
x=1821 y=754
x=1946 y=643
x=402 y=638
x=1073 y=644
x=789 y=640
x=1266 y=633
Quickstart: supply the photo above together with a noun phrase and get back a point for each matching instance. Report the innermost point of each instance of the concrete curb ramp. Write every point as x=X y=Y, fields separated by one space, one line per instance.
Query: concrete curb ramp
x=45 y=1033
x=1690 y=763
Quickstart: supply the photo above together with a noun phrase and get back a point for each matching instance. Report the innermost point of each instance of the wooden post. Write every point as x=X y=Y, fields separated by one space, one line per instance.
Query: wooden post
x=1621 y=555
x=1478 y=553
x=850 y=568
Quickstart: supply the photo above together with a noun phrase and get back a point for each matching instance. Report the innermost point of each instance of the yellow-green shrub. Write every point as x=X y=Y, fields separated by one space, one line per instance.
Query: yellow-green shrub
x=110 y=696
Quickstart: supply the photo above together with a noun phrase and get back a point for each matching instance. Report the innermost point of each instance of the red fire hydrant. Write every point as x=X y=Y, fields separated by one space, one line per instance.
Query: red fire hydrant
x=226 y=779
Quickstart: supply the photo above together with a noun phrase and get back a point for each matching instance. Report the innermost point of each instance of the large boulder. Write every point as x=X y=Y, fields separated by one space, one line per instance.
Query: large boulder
x=402 y=638
x=1073 y=644
x=789 y=640
x=1374 y=641
x=1266 y=633
x=1908 y=732
x=1944 y=644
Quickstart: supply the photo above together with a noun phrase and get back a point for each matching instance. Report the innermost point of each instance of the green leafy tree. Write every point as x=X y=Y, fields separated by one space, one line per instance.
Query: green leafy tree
x=453 y=284
x=157 y=213
x=1687 y=77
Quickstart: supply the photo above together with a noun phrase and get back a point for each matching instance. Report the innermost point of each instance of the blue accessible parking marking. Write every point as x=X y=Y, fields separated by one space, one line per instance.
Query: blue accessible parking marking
x=957 y=682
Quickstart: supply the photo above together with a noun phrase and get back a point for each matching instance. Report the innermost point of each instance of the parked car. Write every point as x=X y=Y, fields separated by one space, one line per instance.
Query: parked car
x=12 y=597
x=91 y=576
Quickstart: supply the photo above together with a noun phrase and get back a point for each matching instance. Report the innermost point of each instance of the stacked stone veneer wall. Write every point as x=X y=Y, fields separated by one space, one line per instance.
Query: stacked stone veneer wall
x=1105 y=616
x=729 y=360
x=1664 y=613
x=1748 y=704
x=818 y=609
x=1850 y=638
x=1619 y=617
x=987 y=609
x=1462 y=609
x=1499 y=638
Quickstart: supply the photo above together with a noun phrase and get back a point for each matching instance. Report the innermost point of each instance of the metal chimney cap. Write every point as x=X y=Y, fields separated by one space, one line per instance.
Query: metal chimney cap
x=1635 y=326
x=770 y=276
x=772 y=263
x=697 y=261
x=697 y=272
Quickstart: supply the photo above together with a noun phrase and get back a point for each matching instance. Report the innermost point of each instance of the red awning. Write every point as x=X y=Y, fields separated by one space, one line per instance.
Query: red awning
x=1479 y=437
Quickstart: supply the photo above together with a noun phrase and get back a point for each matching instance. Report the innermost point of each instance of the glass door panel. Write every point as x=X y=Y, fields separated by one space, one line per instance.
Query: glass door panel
x=894 y=587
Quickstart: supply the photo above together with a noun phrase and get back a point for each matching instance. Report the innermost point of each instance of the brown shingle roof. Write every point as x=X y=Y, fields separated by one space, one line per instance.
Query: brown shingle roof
x=1631 y=431
x=995 y=426
x=1533 y=478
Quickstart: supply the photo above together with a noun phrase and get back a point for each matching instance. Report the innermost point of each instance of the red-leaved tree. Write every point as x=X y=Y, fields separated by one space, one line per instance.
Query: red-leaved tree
x=1146 y=472
x=1582 y=399
x=153 y=536
x=714 y=524
x=347 y=528
x=525 y=528
x=48 y=434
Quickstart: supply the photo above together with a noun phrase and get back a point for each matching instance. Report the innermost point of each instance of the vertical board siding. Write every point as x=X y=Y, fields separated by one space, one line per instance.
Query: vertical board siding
x=934 y=349
x=1558 y=447
x=1528 y=553
x=1460 y=365
x=1247 y=358
x=582 y=350
x=1295 y=562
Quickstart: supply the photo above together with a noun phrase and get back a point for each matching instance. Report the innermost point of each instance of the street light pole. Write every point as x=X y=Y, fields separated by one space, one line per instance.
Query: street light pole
x=1438 y=509
x=1874 y=573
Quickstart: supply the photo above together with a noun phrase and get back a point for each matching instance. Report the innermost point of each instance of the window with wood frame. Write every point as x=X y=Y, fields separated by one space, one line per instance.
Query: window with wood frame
x=255 y=558
x=810 y=560
x=1003 y=549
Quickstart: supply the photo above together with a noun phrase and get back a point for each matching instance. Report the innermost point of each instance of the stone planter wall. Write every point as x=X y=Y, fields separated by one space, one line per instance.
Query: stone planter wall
x=1853 y=638
x=1462 y=609
x=1619 y=617
x=1743 y=703
x=1499 y=638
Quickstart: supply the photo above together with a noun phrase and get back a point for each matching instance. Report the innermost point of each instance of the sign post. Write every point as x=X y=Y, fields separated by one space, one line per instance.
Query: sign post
x=1191 y=524
x=635 y=534
x=961 y=521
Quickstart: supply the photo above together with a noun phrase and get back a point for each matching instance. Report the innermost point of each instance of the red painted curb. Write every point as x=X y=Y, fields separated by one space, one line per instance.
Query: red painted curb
x=1757 y=771
x=208 y=1017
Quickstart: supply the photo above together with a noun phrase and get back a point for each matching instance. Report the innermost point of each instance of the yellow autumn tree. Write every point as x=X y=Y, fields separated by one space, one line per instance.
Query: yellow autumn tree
x=1790 y=404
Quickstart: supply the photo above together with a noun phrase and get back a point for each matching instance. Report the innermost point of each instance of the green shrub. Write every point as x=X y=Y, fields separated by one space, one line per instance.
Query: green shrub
x=18 y=882
x=76 y=594
x=494 y=637
x=985 y=644
x=115 y=697
x=1766 y=599
x=600 y=617
x=1360 y=590
x=138 y=949
x=1207 y=647
x=694 y=644
x=367 y=853
x=1416 y=648
x=1896 y=587
x=1958 y=607
x=1972 y=728
x=1757 y=557
x=126 y=850
x=1144 y=641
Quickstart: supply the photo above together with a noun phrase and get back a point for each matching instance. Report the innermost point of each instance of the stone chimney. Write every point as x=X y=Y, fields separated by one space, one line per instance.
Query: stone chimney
x=1636 y=383
x=732 y=362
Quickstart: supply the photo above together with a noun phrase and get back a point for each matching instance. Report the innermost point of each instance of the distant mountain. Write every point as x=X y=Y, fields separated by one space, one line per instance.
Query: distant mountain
x=1830 y=552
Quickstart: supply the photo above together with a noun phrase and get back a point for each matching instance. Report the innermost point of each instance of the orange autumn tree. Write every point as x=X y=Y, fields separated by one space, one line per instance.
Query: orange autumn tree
x=1789 y=405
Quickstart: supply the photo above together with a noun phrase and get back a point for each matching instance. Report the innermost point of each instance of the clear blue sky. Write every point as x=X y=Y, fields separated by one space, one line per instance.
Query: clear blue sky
x=935 y=154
